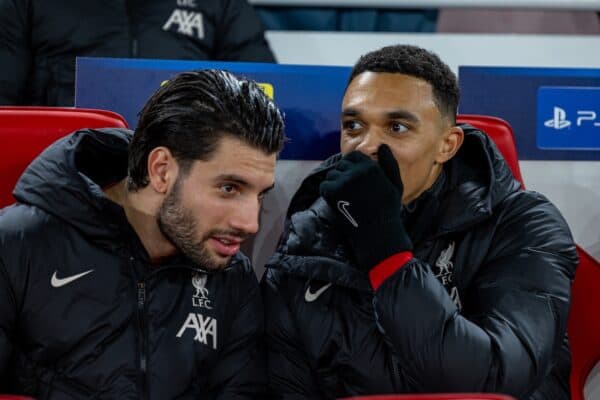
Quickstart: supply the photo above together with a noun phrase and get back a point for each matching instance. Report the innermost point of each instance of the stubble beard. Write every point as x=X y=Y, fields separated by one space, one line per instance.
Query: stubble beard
x=177 y=224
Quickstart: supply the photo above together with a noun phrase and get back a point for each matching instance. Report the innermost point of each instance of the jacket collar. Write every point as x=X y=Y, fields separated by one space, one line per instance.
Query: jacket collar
x=66 y=181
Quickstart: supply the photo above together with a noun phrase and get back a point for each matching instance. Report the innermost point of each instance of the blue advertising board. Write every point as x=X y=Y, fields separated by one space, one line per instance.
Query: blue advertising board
x=554 y=112
x=537 y=102
x=309 y=96
x=574 y=123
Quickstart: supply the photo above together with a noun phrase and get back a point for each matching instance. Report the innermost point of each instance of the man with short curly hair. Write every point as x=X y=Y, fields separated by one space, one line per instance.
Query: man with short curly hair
x=413 y=262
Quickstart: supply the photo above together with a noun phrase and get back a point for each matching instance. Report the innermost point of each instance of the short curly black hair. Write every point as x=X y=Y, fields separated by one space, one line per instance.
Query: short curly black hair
x=420 y=63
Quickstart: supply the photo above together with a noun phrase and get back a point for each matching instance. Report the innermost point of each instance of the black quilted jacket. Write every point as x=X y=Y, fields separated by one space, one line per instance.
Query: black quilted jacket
x=482 y=307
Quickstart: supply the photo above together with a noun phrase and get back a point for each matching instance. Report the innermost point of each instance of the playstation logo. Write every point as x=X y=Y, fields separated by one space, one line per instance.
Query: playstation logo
x=559 y=121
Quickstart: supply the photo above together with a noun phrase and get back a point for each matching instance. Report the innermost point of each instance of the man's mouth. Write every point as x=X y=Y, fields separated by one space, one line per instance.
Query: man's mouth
x=226 y=246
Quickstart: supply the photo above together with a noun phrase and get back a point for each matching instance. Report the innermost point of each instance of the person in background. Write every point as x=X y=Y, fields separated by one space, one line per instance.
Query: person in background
x=413 y=261
x=120 y=270
x=41 y=39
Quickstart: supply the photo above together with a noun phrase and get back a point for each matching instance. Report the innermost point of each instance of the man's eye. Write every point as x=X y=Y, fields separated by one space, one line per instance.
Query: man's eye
x=351 y=125
x=397 y=127
x=227 y=188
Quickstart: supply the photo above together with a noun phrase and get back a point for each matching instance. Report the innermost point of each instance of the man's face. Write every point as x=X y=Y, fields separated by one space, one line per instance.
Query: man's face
x=400 y=111
x=211 y=210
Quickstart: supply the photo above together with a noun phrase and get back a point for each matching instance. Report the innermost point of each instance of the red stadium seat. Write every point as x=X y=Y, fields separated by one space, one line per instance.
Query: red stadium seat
x=501 y=133
x=14 y=397
x=26 y=131
x=441 y=396
x=583 y=324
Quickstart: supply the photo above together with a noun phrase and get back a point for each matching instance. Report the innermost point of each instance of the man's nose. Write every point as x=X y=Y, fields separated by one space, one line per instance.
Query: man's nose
x=370 y=143
x=245 y=216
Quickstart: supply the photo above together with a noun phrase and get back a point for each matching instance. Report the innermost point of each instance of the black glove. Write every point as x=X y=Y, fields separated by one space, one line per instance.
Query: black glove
x=368 y=197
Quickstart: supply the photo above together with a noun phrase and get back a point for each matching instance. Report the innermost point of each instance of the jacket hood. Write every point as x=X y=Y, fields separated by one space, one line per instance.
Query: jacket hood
x=66 y=180
x=476 y=179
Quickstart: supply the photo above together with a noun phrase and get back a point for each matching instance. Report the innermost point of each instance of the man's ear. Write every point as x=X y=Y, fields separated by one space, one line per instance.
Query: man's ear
x=451 y=142
x=162 y=169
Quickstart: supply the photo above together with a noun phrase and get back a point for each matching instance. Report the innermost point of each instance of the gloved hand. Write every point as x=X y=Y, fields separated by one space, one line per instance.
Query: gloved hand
x=368 y=196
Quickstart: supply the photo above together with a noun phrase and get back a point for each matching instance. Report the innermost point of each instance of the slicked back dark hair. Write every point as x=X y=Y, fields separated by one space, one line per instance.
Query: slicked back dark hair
x=419 y=63
x=193 y=111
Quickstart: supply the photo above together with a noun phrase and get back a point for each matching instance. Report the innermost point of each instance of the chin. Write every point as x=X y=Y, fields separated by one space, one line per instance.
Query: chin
x=218 y=262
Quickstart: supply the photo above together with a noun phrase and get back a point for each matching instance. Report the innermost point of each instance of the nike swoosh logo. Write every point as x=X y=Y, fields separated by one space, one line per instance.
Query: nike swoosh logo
x=342 y=206
x=58 y=282
x=310 y=297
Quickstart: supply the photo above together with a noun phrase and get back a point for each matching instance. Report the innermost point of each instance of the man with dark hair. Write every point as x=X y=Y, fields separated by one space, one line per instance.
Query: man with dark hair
x=120 y=270
x=413 y=261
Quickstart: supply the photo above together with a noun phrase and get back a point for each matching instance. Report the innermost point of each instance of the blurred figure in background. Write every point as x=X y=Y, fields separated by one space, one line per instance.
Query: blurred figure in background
x=41 y=39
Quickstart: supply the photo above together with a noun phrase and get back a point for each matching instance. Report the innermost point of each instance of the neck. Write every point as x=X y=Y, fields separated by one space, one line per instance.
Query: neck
x=434 y=174
x=421 y=217
x=141 y=210
x=432 y=190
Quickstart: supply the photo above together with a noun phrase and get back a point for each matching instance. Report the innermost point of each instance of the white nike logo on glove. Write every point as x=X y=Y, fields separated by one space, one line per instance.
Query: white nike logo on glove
x=310 y=297
x=58 y=282
x=341 y=205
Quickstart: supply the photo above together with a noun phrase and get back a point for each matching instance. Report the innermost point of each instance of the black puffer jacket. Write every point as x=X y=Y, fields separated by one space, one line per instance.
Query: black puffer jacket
x=40 y=39
x=83 y=314
x=482 y=307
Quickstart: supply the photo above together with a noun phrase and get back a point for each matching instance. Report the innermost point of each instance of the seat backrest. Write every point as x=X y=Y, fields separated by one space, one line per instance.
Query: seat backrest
x=26 y=131
x=501 y=133
x=584 y=323
x=436 y=396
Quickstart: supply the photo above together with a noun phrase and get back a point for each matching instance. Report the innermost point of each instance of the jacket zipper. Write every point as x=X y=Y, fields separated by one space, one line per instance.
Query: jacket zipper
x=141 y=291
x=133 y=39
x=396 y=378
x=143 y=349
